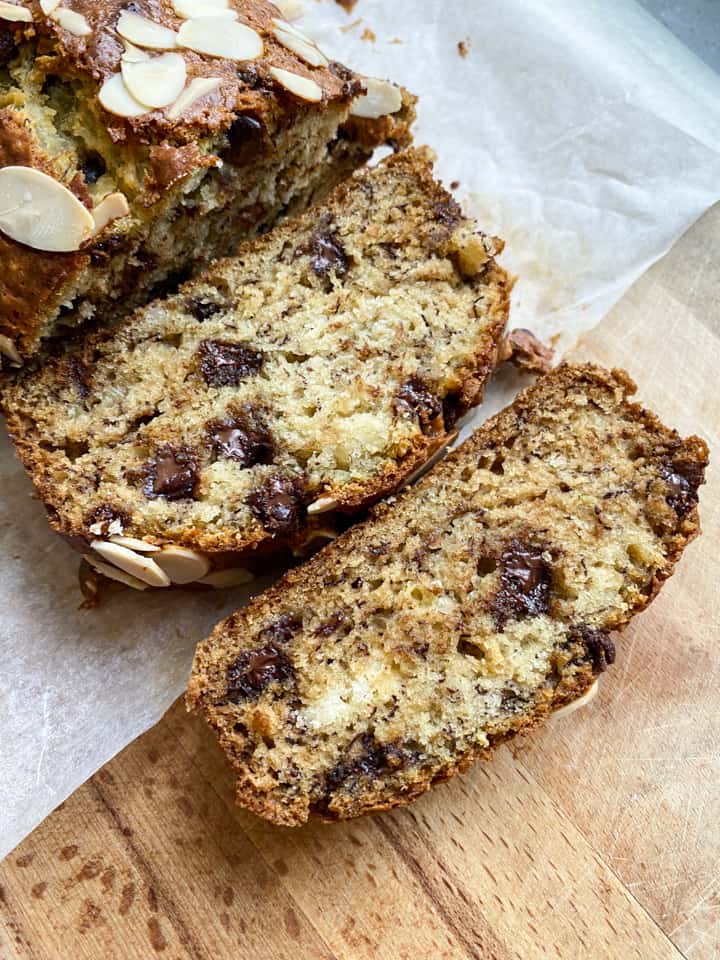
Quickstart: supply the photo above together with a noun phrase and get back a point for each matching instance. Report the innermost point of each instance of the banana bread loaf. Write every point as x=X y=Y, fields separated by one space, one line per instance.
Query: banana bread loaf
x=140 y=140
x=299 y=382
x=464 y=612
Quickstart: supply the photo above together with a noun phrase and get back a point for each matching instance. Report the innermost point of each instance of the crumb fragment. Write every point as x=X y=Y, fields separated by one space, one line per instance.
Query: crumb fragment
x=351 y=26
x=455 y=185
x=368 y=35
x=347 y=5
x=463 y=48
x=525 y=351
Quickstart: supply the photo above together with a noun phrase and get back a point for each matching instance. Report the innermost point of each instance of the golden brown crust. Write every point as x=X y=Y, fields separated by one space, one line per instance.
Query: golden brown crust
x=659 y=471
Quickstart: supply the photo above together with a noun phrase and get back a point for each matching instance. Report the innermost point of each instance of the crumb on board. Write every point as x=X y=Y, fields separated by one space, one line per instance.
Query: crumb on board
x=455 y=185
x=463 y=48
x=368 y=35
x=395 y=40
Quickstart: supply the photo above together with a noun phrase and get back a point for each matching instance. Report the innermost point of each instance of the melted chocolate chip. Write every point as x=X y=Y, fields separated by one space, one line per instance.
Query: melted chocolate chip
x=8 y=48
x=105 y=515
x=331 y=625
x=683 y=478
x=244 y=438
x=255 y=670
x=202 y=310
x=79 y=376
x=93 y=167
x=278 y=505
x=598 y=645
x=110 y=247
x=247 y=140
x=415 y=397
x=524 y=584
x=448 y=212
x=283 y=629
x=225 y=364
x=253 y=78
x=328 y=254
x=340 y=71
x=173 y=474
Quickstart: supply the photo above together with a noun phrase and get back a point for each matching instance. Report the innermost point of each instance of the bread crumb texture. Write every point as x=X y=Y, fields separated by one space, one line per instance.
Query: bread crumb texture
x=464 y=612
x=327 y=362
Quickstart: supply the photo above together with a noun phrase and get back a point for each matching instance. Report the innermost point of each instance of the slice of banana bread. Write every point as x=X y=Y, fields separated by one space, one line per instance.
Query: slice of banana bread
x=304 y=379
x=458 y=615
x=140 y=140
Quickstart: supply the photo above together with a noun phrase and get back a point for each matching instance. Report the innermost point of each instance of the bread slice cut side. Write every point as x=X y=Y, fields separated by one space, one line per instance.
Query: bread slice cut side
x=465 y=611
x=301 y=380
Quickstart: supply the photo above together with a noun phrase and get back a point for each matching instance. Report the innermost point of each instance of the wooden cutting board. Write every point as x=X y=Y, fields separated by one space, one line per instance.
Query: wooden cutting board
x=597 y=837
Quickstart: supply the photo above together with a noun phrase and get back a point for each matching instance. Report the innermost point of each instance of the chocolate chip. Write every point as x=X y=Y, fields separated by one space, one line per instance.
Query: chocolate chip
x=525 y=581
x=278 y=505
x=8 y=47
x=598 y=644
x=202 y=310
x=283 y=629
x=340 y=71
x=105 y=515
x=79 y=376
x=112 y=245
x=244 y=438
x=365 y=758
x=247 y=140
x=331 y=625
x=225 y=364
x=173 y=474
x=448 y=212
x=253 y=78
x=92 y=167
x=683 y=478
x=328 y=254
x=254 y=671
x=415 y=397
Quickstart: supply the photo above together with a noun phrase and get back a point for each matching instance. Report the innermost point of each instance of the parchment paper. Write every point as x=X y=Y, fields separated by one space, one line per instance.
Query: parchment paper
x=582 y=133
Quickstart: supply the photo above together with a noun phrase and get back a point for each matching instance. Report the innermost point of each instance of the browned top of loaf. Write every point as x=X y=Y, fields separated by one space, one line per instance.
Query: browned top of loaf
x=465 y=611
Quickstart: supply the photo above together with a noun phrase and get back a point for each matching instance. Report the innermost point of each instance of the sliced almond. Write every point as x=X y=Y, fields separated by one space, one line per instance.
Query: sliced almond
x=134 y=54
x=302 y=87
x=235 y=577
x=195 y=90
x=582 y=701
x=71 y=21
x=142 y=546
x=41 y=212
x=194 y=9
x=117 y=99
x=290 y=9
x=110 y=208
x=112 y=573
x=9 y=350
x=145 y=33
x=157 y=82
x=305 y=49
x=47 y=6
x=115 y=527
x=381 y=99
x=183 y=565
x=10 y=11
x=143 y=568
x=221 y=38
x=323 y=505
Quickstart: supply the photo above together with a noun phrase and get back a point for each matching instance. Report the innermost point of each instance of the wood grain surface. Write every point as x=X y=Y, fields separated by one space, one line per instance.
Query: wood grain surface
x=597 y=837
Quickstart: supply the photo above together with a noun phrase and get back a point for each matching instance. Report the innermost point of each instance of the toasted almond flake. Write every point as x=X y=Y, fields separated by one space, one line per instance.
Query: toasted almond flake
x=235 y=577
x=132 y=543
x=290 y=28
x=183 y=565
x=71 y=21
x=9 y=350
x=112 y=573
x=9 y=11
x=117 y=99
x=305 y=49
x=381 y=99
x=302 y=87
x=41 y=212
x=323 y=505
x=290 y=9
x=157 y=82
x=194 y=9
x=195 y=90
x=220 y=38
x=110 y=208
x=582 y=701
x=134 y=54
x=145 y=33
x=143 y=568
x=47 y=6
